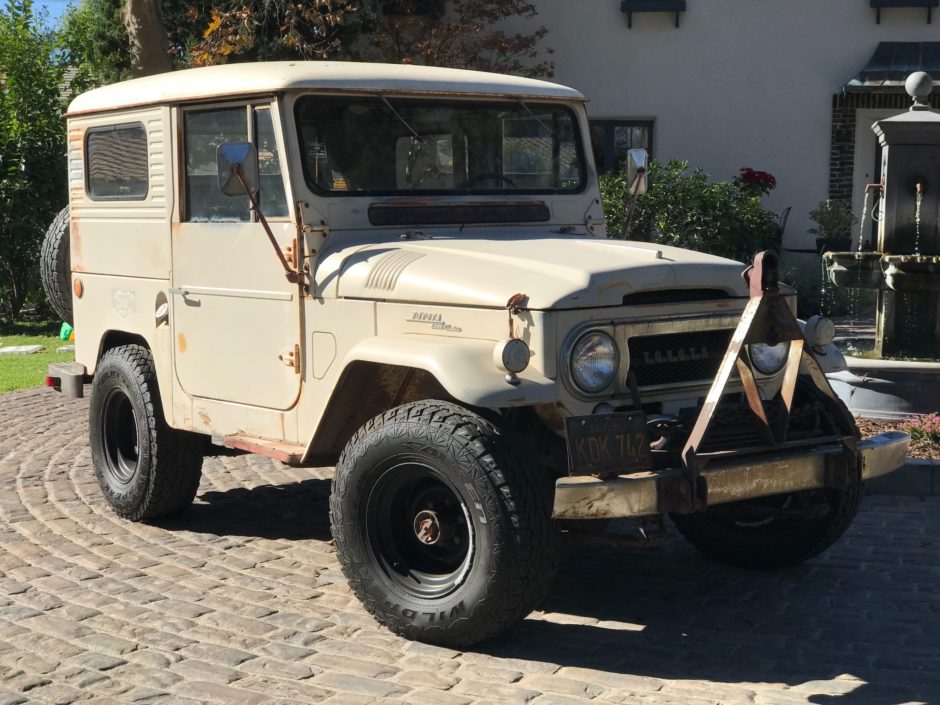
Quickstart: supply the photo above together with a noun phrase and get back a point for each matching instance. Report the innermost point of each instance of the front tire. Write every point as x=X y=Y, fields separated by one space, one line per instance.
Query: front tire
x=783 y=530
x=145 y=468
x=442 y=524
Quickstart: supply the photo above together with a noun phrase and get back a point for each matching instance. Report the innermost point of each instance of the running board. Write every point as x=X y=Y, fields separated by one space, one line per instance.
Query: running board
x=289 y=453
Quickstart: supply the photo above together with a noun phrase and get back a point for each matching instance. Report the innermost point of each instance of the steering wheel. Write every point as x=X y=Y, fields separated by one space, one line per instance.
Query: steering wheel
x=484 y=177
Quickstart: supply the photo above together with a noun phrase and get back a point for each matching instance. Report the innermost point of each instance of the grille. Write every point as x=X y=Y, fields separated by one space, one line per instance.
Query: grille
x=677 y=358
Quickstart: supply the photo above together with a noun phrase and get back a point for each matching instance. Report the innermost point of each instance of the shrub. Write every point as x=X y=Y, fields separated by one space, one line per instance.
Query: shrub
x=833 y=218
x=32 y=150
x=923 y=428
x=683 y=208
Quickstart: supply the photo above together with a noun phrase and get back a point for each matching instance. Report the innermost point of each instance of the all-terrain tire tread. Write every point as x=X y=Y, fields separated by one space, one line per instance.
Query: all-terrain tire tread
x=526 y=494
x=55 y=266
x=177 y=455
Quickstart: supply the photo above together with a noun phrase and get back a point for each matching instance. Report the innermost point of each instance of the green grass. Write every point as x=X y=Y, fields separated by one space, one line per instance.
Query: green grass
x=23 y=371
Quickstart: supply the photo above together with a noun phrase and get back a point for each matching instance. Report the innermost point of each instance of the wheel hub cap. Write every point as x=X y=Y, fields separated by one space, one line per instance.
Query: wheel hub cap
x=428 y=527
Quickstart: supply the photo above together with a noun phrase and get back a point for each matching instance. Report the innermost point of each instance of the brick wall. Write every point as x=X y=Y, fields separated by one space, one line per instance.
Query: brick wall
x=842 y=150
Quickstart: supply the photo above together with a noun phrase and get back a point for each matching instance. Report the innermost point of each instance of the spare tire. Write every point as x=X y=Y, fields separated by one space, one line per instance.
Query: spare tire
x=55 y=266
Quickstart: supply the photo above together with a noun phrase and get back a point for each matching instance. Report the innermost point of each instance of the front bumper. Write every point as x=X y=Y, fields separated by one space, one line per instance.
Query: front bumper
x=726 y=480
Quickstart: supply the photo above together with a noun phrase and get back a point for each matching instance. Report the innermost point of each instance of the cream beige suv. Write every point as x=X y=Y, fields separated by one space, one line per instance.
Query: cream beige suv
x=404 y=272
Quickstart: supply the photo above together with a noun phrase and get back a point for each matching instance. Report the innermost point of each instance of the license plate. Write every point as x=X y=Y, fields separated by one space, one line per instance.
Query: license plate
x=608 y=444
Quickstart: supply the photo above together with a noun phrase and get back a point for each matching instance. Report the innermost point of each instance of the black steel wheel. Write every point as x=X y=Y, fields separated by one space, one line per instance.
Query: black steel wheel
x=442 y=524
x=145 y=468
x=419 y=529
x=119 y=437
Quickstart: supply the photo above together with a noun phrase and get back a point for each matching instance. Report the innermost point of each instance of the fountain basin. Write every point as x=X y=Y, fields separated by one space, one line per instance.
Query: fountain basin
x=888 y=389
x=912 y=272
x=854 y=270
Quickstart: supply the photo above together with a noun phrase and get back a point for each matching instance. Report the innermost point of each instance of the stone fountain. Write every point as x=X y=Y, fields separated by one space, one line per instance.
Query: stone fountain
x=902 y=374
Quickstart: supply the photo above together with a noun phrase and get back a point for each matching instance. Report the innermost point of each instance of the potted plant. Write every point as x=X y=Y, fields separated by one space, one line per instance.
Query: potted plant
x=834 y=220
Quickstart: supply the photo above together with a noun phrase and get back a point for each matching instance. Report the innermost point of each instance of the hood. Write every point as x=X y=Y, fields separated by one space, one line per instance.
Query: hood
x=553 y=272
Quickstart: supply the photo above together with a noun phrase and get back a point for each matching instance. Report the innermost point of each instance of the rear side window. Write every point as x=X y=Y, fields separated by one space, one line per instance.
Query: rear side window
x=116 y=166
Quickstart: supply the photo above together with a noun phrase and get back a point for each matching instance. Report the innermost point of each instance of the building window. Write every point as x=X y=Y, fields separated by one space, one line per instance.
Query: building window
x=611 y=139
x=116 y=163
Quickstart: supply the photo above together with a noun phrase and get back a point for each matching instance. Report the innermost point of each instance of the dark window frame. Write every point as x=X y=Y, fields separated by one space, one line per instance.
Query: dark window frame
x=608 y=148
x=91 y=132
x=580 y=147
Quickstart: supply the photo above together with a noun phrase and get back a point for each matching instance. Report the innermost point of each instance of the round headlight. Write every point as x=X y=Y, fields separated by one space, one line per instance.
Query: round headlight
x=819 y=332
x=594 y=361
x=769 y=359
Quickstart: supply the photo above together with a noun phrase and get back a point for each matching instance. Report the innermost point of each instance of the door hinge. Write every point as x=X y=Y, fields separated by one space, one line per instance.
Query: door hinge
x=291 y=358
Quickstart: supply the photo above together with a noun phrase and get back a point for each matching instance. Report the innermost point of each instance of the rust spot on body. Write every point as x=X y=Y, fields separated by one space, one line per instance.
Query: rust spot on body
x=181 y=342
x=206 y=421
x=75 y=246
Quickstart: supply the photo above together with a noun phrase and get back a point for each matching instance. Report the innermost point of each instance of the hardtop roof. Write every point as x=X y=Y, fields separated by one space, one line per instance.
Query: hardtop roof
x=230 y=80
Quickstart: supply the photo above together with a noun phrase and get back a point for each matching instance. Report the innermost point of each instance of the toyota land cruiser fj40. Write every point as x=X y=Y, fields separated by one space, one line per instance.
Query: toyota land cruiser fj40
x=404 y=272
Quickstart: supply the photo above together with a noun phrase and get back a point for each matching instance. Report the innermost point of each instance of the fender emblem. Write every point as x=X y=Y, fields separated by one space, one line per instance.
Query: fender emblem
x=435 y=320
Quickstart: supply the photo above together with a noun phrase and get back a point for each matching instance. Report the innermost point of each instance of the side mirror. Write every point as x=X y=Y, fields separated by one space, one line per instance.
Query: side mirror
x=637 y=166
x=244 y=156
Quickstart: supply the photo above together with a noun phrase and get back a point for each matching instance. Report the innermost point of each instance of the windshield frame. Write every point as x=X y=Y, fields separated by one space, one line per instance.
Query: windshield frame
x=519 y=103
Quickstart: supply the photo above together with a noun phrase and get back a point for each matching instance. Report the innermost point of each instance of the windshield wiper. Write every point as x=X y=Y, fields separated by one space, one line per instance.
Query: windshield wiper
x=417 y=142
x=537 y=119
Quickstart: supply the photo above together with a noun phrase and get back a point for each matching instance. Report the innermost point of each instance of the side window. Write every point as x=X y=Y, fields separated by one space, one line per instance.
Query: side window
x=116 y=166
x=204 y=131
x=271 y=197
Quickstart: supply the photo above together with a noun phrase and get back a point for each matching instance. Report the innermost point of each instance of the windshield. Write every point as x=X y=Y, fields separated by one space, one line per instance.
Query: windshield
x=389 y=146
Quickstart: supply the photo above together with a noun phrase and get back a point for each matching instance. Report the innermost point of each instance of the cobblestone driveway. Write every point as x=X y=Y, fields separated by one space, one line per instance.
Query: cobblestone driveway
x=241 y=601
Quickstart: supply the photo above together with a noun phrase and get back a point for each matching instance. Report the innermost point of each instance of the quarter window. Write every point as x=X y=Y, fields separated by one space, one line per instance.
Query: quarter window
x=611 y=139
x=116 y=162
x=205 y=130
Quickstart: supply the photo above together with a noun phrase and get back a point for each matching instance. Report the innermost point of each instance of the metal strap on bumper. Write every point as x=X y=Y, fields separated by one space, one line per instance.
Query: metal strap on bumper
x=728 y=480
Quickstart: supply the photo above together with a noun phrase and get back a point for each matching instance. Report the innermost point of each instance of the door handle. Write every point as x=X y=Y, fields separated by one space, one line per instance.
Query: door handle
x=180 y=292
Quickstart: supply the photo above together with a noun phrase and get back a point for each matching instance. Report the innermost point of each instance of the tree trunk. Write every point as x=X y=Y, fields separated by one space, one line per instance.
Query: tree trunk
x=147 y=37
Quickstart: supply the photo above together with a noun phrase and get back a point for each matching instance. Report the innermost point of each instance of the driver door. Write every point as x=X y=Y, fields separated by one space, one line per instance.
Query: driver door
x=236 y=319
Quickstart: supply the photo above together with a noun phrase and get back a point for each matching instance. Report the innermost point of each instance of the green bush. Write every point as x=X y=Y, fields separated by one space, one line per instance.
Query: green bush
x=32 y=150
x=685 y=209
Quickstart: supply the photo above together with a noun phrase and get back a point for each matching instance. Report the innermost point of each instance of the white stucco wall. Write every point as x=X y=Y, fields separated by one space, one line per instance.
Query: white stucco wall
x=740 y=83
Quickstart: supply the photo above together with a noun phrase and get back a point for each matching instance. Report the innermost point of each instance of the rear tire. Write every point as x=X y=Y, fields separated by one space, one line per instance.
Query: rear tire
x=442 y=524
x=55 y=266
x=145 y=468
x=779 y=531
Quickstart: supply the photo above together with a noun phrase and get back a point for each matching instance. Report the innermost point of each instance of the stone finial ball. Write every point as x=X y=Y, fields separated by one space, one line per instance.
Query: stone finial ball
x=919 y=84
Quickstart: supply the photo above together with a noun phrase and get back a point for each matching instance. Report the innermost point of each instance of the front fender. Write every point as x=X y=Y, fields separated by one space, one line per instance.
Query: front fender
x=464 y=367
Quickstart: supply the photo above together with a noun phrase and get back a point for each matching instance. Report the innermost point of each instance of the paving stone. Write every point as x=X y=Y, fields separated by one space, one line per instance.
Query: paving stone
x=21 y=349
x=195 y=669
x=507 y=693
x=427 y=679
x=216 y=693
x=108 y=644
x=346 y=664
x=201 y=610
x=217 y=654
x=543 y=682
x=359 y=684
